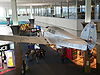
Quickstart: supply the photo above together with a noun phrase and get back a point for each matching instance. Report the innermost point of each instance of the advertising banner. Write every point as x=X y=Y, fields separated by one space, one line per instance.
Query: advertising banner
x=10 y=58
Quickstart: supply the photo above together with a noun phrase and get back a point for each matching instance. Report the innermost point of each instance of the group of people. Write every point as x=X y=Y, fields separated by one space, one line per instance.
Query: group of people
x=33 y=54
x=37 y=54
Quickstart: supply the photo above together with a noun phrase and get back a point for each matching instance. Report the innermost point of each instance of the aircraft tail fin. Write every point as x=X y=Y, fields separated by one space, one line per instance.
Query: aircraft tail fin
x=89 y=33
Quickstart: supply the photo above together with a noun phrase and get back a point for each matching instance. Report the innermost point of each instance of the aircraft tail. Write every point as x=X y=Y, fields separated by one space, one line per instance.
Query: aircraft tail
x=89 y=33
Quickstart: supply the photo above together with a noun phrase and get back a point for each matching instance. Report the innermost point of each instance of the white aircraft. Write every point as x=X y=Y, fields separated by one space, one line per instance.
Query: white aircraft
x=60 y=37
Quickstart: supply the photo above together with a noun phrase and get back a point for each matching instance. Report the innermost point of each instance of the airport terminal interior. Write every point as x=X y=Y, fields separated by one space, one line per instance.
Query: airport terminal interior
x=49 y=37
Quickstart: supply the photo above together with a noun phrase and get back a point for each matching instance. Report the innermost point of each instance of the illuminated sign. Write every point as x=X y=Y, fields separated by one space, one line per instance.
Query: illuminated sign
x=10 y=58
x=10 y=61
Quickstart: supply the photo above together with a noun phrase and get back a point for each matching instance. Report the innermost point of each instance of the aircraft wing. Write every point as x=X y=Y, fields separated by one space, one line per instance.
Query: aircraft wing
x=75 y=43
x=69 y=43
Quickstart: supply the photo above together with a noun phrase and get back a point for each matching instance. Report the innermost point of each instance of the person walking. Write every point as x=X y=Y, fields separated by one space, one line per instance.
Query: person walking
x=23 y=68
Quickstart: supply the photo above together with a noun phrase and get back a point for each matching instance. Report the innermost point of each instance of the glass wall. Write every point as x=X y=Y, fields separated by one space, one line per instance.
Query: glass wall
x=97 y=9
x=74 y=9
x=81 y=9
x=48 y=11
x=65 y=12
x=64 y=9
x=57 y=11
x=22 y=12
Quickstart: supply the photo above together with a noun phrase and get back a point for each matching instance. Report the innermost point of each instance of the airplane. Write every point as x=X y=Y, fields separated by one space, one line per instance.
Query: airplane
x=62 y=38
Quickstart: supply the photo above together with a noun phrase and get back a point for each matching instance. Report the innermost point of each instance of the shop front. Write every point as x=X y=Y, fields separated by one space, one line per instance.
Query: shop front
x=27 y=30
x=10 y=58
x=77 y=56
x=7 y=58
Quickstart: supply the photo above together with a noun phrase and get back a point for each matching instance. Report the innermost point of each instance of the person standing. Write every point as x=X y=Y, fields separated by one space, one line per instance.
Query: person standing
x=62 y=55
x=27 y=60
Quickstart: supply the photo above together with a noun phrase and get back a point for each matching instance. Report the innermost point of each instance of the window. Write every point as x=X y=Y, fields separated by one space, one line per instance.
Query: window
x=58 y=11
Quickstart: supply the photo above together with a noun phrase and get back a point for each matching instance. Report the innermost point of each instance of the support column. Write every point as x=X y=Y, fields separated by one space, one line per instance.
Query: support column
x=98 y=58
x=34 y=11
x=6 y=10
x=7 y=16
x=87 y=61
x=61 y=10
x=68 y=7
x=31 y=15
x=52 y=11
x=15 y=26
x=38 y=11
x=87 y=11
x=14 y=12
x=18 y=54
x=76 y=9
x=97 y=9
x=26 y=11
x=87 y=19
x=55 y=14
x=18 y=58
x=31 y=20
